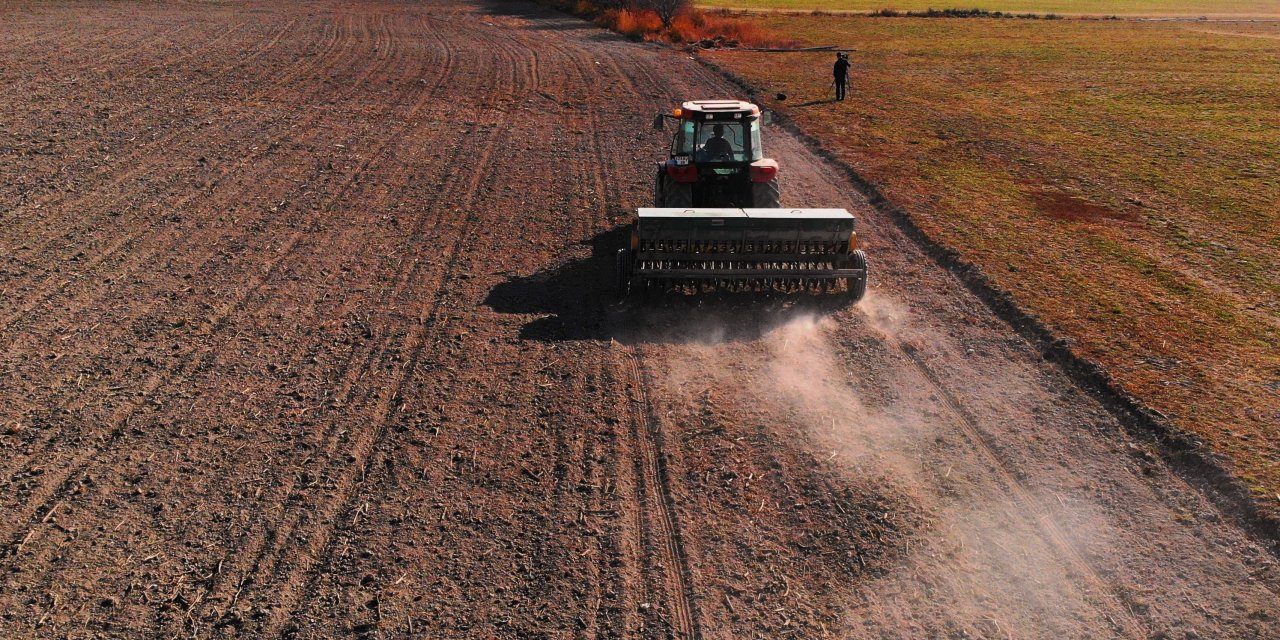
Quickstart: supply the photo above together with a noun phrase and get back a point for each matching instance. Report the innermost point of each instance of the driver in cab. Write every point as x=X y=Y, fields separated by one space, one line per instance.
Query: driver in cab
x=717 y=147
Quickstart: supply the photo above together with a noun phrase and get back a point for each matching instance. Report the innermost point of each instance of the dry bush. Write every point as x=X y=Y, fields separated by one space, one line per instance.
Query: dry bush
x=690 y=25
x=666 y=10
x=641 y=24
x=697 y=25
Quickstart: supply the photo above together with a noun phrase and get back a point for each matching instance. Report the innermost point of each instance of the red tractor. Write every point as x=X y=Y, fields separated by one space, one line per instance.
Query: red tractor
x=716 y=158
x=716 y=221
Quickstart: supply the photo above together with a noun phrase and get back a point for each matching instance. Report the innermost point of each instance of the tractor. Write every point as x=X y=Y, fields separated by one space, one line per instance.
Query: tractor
x=717 y=221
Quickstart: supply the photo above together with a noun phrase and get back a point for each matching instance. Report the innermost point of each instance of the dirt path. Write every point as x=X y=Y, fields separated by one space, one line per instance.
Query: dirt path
x=306 y=332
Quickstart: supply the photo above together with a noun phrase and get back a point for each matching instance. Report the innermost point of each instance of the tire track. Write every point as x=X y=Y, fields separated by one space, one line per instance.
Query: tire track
x=234 y=196
x=141 y=261
x=261 y=188
x=1125 y=621
x=347 y=385
x=342 y=508
x=660 y=528
x=76 y=157
x=657 y=525
x=391 y=141
x=93 y=60
x=48 y=499
x=632 y=537
x=299 y=571
x=210 y=249
x=59 y=484
x=661 y=533
x=50 y=289
x=268 y=546
x=126 y=168
x=68 y=48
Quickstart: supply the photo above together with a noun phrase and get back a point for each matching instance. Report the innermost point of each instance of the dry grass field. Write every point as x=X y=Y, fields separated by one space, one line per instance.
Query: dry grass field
x=1120 y=178
x=1195 y=8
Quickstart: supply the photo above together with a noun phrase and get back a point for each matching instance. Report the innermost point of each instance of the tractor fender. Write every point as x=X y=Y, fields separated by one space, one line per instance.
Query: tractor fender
x=686 y=173
x=764 y=170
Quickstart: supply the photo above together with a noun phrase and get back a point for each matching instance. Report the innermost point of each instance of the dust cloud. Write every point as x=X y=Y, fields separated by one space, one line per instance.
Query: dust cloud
x=985 y=563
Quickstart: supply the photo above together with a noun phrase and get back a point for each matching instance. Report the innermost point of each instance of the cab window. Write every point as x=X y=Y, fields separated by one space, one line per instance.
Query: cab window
x=684 y=138
x=721 y=142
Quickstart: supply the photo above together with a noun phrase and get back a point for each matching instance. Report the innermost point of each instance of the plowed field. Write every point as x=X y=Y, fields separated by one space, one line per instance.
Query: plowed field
x=306 y=331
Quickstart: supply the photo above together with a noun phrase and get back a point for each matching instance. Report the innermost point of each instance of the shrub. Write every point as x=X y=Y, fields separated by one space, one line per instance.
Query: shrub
x=715 y=28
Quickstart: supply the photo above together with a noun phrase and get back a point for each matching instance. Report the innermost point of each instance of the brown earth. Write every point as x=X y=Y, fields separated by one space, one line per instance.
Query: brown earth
x=306 y=333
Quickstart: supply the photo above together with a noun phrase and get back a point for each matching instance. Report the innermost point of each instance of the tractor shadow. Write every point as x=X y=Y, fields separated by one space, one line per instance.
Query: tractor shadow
x=576 y=300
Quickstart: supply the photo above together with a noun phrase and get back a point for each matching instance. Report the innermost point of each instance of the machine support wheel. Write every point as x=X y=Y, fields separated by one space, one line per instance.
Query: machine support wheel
x=766 y=195
x=858 y=286
x=623 y=274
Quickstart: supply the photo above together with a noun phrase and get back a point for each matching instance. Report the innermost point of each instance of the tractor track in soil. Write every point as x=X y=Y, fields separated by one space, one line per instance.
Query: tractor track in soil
x=212 y=322
x=160 y=98
x=427 y=324
x=127 y=169
x=103 y=208
x=353 y=370
x=1127 y=625
x=312 y=337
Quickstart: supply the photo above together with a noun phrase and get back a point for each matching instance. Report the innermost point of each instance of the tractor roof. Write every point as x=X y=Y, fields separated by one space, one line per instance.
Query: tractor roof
x=692 y=107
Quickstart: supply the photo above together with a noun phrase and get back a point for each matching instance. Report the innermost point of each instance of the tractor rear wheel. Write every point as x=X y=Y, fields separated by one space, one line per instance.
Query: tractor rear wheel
x=766 y=195
x=669 y=193
x=623 y=274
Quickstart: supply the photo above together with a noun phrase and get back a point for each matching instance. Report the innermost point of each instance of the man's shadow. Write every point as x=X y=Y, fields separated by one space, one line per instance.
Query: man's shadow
x=578 y=300
x=814 y=103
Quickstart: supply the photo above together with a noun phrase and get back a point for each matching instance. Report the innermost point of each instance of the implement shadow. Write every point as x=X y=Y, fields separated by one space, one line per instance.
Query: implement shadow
x=577 y=301
x=572 y=297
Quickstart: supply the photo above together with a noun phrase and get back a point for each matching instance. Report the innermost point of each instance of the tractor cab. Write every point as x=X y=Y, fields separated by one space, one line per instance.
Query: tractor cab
x=731 y=138
x=716 y=157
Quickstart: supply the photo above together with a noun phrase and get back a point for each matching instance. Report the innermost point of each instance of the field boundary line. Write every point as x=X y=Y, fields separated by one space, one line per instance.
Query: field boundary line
x=1009 y=15
x=1187 y=455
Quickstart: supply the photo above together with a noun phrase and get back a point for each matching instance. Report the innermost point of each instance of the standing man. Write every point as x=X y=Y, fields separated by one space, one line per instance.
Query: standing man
x=841 y=71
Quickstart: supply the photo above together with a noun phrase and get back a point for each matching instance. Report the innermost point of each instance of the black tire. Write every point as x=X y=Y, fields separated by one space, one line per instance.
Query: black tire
x=623 y=274
x=669 y=193
x=766 y=195
x=858 y=286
